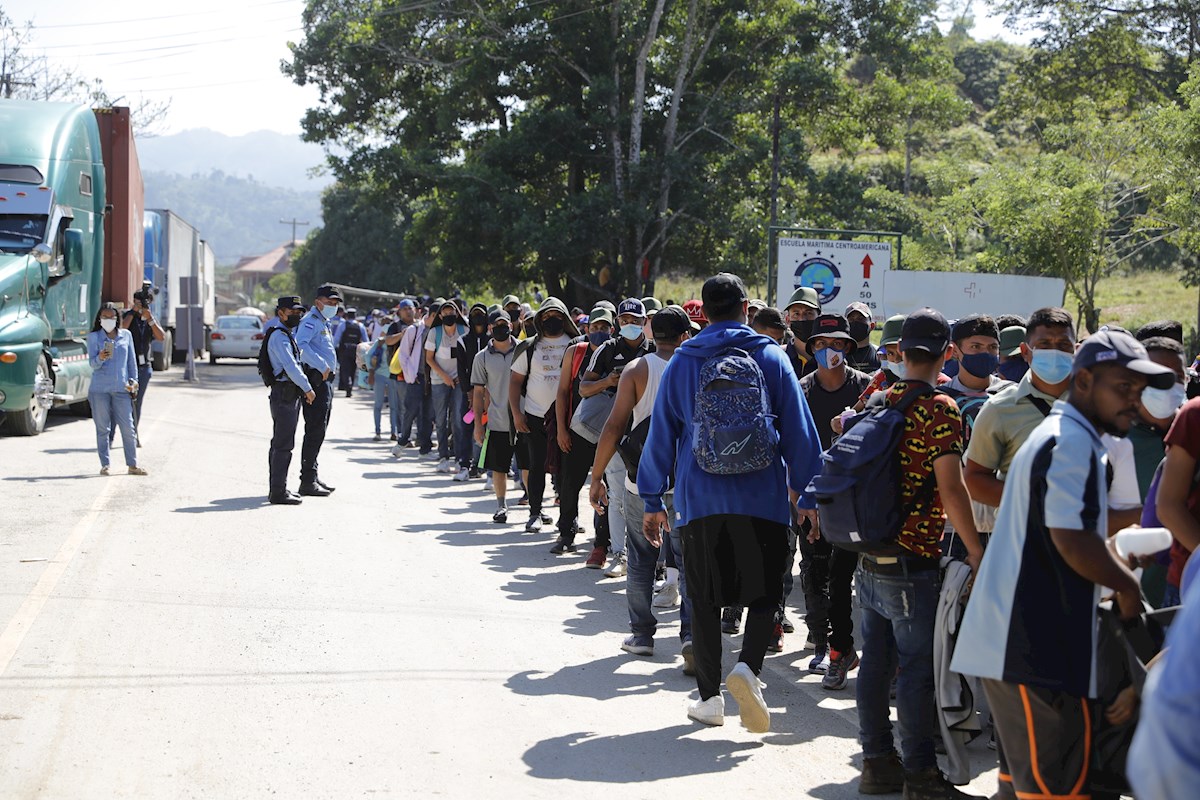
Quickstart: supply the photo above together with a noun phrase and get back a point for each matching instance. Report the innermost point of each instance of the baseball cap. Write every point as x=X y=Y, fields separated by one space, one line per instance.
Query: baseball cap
x=830 y=326
x=447 y=304
x=329 y=293
x=652 y=305
x=805 y=296
x=510 y=300
x=721 y=291
x=925 y=330
x=600 y=314
x=1117 y=347
x=1011 y=339
x=670 y=322
x=891 y=330
x=631 y=306
x=770 y=318
x=694 y=310
x=861 y=308
x=406 y=303
x=608 y=305
x=759 y=304
x=499 y=315
x=289 y=303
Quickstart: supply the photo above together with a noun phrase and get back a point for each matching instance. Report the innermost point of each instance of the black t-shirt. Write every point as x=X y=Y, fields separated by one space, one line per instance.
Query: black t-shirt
x=142 y=335
x=827 y=405
x=615 y=354
x=393 y=329
x=864 y=359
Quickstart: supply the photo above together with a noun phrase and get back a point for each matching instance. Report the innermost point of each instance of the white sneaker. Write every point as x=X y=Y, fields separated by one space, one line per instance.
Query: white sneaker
x=104 y=471
x=616 y=566
x=710 y=711
x=396 y=451
x=631 y=645
x=444 y=466
x=463 y=474
x=743 y=684
x=668 y=597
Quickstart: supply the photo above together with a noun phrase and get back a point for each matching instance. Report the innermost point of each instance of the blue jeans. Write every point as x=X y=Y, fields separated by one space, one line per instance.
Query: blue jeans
x=898 y=616
x=448 y=415
x=109 y=409
x=395 y=407
x=642 y=561
x=382 y=394
x=417 y=409
x=614 y=476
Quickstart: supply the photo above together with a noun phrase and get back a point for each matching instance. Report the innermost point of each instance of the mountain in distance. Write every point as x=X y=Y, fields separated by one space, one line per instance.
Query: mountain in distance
x=270 y=158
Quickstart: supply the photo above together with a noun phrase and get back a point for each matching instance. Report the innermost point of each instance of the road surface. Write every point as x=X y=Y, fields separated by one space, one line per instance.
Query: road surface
x=174 y=636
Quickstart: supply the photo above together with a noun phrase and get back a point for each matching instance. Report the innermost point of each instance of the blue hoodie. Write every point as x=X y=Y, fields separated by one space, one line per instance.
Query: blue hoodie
x=668 y=449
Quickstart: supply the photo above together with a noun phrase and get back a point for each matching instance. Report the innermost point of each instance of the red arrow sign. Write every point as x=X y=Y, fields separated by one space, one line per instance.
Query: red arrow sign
x=866 y=265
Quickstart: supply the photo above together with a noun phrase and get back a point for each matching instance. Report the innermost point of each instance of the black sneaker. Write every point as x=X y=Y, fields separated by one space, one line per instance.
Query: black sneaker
x=840 y=665
x=882 y=775
x=534 y=525
x=284 y=499
x=501 y=516
x=562 y=547
x=313 y=490
x=931 y=784
x=474 y=472
x=786 y=624
x=731 y=620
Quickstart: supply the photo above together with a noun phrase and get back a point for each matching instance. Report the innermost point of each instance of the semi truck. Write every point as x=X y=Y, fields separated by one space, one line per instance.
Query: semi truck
x=71 y=203
x=176 y=262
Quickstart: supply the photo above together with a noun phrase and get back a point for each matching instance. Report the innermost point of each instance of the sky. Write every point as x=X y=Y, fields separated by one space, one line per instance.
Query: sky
x=217 y=61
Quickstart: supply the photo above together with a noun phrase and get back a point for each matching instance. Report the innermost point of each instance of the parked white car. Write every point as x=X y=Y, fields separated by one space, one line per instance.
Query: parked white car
x=235 y=336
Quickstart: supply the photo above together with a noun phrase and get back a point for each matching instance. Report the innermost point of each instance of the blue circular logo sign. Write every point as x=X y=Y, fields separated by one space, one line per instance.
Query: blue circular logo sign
x=821 y=274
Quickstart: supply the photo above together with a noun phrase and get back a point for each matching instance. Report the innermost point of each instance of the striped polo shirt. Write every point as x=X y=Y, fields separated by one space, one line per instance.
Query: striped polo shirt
x=1031 y=618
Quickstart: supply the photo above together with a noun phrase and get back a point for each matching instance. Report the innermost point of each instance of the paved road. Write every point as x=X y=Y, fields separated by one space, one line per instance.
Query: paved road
x=174 y=636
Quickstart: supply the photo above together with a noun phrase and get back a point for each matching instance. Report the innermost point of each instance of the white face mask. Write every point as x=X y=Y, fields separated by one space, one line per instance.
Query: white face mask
x=1163 y=403
x=109 y=325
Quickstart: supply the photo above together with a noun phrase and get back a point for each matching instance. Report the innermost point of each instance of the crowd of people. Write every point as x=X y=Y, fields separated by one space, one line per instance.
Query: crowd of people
x=968 y=484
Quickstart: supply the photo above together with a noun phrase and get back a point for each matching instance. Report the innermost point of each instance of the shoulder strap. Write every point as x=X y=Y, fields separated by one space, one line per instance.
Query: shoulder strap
x=1040 y=404
x=577 y=359
x=911 y=397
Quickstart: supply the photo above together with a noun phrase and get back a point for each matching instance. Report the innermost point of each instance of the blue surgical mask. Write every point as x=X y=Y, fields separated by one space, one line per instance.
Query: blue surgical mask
x=1013 y=370
x=1052 y=366
x=829 y=358
x=631 y=331
x=599 y=337
x=897 y=369
x=980 y=365
x=1163 y=403
x=328 y=312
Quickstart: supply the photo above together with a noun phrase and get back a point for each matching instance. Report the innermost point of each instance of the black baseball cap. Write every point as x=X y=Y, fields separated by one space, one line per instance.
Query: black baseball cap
x=499 y=315
x=289 y=303
x=670 y=323
x=723 y=290
x=1107 y=346
x=830 y=326
x=926 y=330
x=329 y=292
x=632 y=306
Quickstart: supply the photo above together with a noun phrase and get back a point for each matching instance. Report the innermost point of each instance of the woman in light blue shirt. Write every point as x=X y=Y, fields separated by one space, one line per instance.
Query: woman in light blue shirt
x=114 y=383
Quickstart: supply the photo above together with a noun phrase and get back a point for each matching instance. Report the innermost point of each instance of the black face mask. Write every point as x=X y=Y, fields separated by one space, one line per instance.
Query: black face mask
x=502 y=333
x=553 y=326
x=291 y=321
x=479 y=322
x=860 y=330
x=802 y=328
x=448 y=321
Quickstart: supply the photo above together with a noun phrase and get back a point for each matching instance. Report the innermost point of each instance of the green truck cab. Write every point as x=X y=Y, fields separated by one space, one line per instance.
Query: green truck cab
x=52 y=206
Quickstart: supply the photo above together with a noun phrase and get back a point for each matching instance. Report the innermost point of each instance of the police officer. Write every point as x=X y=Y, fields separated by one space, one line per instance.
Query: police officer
x=319 y=360
x=346 y=339
x=289 y=386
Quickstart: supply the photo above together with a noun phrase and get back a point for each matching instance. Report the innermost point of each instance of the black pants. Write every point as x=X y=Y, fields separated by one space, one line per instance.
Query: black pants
x=285 y=414
x=534 y=443
x=732 y=560
x=316 y=420
x=826 y=575
x=572 y=475
x=347 y=369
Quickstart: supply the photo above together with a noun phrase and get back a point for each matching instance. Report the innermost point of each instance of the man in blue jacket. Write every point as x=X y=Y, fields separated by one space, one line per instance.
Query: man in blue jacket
x=734 y=527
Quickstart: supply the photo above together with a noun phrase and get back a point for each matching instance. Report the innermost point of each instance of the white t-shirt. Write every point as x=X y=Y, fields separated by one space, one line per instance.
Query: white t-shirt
x=543 y=370
x=1124 y=493
x=443 y=355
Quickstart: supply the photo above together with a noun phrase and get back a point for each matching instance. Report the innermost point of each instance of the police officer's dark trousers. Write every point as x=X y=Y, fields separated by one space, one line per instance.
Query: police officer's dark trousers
x=316 y=420
x=347 y=368
x=285 y=413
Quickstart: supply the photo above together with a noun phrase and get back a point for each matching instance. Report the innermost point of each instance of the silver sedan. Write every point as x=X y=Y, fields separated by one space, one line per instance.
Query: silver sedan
x=235 y=336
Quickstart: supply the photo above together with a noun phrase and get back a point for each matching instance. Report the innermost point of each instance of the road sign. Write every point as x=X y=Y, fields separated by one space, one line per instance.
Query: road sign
x=842 y=272
x=957 y=294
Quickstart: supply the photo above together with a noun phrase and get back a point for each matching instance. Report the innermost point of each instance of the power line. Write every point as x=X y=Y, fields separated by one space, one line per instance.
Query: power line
x=146 y=39
x=157 y=19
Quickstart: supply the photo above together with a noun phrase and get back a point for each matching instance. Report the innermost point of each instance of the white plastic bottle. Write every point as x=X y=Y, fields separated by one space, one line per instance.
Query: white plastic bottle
x=1142 y=541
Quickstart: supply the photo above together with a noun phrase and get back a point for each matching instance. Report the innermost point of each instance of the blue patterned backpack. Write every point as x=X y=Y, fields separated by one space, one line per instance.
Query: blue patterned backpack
x=733 y=429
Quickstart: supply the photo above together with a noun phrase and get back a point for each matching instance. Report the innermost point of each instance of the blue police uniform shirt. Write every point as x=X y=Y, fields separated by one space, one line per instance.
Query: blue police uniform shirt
x=112 y=375
x=316 y=342
x=283 y=360
x=273 y=322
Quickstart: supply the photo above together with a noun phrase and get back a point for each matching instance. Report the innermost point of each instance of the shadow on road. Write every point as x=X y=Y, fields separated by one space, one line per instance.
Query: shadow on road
x=226 y=504
x=668 y=753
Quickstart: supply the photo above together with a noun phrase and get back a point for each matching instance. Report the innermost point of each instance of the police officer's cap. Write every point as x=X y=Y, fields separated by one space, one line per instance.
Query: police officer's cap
x=290 y=303
x=329 y=293
x=351 y=312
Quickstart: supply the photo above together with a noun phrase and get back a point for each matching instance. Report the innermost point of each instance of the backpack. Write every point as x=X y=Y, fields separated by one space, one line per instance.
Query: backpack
x=733 y=429
x=352 y=336
x=858 y=490
x=265 y=370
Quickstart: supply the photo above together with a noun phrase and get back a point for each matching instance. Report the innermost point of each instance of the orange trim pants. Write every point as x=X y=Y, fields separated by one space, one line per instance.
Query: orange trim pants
x=1045 y=741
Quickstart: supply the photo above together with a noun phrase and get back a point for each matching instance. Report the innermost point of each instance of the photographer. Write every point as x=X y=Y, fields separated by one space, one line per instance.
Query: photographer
x=143 y=327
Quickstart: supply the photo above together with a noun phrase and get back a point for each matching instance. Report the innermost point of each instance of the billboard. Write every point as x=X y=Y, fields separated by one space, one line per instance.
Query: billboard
x=957 y=294
x=841 y=272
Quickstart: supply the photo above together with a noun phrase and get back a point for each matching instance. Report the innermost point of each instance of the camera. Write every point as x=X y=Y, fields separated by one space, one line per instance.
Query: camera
x=146 y=295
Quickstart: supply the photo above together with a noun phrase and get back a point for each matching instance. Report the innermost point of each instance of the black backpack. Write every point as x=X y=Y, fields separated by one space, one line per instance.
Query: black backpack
x=265 y=370
x=352 y=336
x=858 y=491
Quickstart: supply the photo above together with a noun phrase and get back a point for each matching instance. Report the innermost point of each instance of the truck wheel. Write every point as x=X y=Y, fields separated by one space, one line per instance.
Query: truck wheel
x=161 y=361
x=31 y=420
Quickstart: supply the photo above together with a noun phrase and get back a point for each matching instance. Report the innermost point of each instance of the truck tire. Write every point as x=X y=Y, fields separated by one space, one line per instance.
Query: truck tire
x=31 y=421
x=161 y=361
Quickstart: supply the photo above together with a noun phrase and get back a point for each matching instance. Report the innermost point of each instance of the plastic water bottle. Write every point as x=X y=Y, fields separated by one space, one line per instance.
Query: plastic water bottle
x=1142 y=541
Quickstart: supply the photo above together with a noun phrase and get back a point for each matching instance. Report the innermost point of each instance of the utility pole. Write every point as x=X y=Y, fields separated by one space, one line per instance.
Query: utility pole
x=8 y=81
x=294 y=223
x=772 y=264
